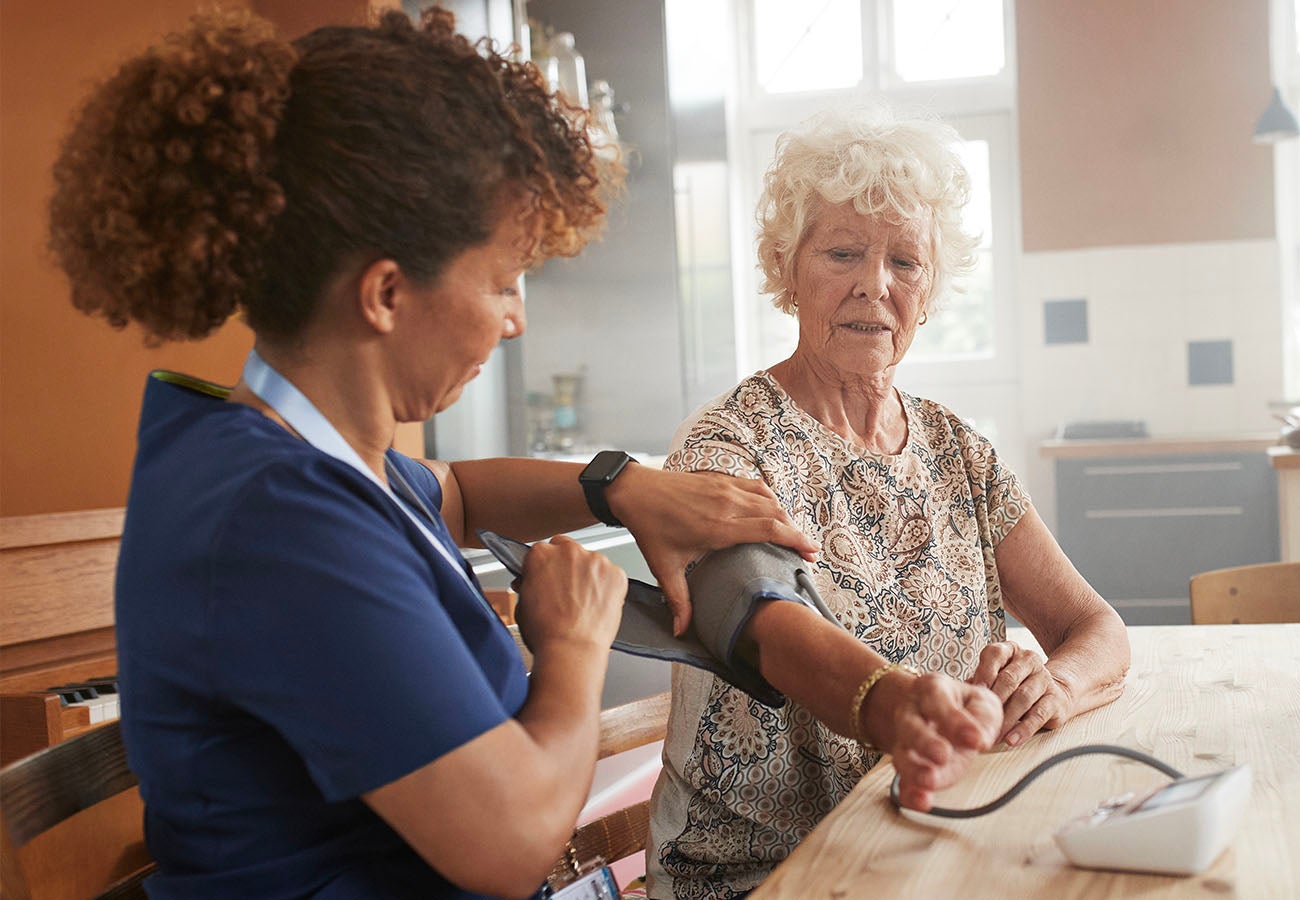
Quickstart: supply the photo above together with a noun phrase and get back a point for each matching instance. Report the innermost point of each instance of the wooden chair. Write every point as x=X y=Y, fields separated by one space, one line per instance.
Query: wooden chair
x=72 y=822
x=1269 y=592
x=623 y=832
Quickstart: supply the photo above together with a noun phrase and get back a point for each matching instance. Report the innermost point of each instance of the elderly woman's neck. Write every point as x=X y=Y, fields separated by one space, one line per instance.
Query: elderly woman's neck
x=864 y=410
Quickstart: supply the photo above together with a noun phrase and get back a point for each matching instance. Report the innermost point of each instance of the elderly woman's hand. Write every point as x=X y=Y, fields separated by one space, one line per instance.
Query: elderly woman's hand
x=1032 y=698
x=677 y=516
x=936 y=726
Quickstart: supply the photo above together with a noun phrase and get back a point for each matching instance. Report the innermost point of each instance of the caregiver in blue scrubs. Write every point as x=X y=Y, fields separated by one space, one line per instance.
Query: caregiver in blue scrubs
x=317 y=699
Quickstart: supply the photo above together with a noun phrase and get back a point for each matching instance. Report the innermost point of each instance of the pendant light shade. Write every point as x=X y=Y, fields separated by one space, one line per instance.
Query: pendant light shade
x=1277 y=123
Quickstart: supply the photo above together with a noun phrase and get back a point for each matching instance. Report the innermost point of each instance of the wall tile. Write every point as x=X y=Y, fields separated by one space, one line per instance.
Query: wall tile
x=1209 y=362
x=1065 y=321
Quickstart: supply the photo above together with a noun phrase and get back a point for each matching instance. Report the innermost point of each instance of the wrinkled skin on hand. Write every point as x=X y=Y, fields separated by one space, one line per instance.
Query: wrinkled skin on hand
x=939 y=726
x=1031 y=697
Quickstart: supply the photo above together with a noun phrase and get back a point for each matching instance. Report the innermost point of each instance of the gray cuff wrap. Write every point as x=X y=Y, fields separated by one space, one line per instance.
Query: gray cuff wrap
x=726 y=588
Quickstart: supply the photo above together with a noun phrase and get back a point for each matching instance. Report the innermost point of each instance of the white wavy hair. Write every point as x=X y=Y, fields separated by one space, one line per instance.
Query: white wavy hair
x=889 y=166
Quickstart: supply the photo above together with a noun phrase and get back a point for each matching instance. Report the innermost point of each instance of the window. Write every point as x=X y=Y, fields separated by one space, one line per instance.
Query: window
x=936 y=40
x=945 y=56
x=813 y=46
x=1285 y=66
x=964 y=328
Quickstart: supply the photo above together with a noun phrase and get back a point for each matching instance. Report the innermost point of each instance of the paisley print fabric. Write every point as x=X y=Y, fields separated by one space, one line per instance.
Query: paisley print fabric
x=907 y=565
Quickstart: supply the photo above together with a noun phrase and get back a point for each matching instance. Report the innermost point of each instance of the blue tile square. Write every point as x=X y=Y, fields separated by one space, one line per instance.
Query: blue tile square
x=1209 y=362
x=1065 y=321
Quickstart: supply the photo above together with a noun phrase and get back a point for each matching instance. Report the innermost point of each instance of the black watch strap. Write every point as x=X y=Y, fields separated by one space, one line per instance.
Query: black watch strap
x=599 y=474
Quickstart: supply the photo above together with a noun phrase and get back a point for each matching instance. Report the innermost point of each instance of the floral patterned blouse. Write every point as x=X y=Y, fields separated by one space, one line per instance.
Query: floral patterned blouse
x=907 y=564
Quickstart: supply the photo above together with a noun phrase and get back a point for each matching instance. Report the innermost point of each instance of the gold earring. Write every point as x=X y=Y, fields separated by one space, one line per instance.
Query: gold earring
x=925 y=317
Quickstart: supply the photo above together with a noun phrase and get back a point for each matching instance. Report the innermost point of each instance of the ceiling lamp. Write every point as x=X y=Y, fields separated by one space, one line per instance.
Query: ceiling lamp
x=1277 y=123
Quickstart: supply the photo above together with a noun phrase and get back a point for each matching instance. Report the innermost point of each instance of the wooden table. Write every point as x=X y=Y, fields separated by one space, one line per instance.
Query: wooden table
x=1199 y=697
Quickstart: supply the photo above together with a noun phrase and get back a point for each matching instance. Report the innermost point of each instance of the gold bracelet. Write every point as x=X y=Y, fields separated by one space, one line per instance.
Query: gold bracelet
x=860 y=697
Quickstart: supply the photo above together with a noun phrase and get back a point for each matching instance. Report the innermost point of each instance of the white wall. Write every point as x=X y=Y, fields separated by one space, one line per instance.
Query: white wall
x=1144 y=304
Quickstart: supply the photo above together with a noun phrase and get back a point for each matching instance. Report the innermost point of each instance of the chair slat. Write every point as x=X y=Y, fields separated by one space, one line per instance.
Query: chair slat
x=613 y=837
x=625 y=831
x=131 y=887
x=43 y=789
x=1269 y=592
x=633 y=724
x=524 y=652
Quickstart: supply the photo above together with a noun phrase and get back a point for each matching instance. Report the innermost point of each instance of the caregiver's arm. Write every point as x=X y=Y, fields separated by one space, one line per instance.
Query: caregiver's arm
x=674 y=516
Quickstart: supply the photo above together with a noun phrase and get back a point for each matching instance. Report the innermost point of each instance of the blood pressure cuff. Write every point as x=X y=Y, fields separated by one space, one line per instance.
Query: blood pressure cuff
x=726 y=587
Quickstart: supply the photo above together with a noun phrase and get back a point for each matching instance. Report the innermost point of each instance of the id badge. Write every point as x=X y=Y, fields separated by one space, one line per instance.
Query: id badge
x=598 y=884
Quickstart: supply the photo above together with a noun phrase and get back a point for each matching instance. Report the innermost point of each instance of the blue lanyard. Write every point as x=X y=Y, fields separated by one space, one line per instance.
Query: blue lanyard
x=301 y=414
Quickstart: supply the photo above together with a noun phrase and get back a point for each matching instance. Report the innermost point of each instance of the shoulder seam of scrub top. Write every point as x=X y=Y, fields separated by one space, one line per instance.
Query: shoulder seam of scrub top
x=190 y=382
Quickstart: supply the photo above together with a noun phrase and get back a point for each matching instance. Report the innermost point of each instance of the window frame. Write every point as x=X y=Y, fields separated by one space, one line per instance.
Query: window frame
x=980 y=108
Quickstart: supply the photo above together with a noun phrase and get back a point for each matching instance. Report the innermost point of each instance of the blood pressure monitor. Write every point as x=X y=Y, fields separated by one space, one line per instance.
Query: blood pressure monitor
x=1177 y=829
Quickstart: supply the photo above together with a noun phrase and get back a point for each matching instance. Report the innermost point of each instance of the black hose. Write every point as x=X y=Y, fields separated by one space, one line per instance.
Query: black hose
x=1039 y=769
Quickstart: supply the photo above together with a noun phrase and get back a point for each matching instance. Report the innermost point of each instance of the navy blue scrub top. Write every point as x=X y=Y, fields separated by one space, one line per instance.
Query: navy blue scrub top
x=288 y=640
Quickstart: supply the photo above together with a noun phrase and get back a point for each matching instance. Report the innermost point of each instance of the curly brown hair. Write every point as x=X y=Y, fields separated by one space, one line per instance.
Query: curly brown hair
x=228 y=169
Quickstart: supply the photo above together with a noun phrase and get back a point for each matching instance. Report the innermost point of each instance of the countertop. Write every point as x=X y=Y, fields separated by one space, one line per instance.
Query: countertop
x=1284 y=457
x=1159 y=445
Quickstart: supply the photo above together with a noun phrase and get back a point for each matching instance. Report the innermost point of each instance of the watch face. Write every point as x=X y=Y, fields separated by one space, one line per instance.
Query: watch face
x=605 y=465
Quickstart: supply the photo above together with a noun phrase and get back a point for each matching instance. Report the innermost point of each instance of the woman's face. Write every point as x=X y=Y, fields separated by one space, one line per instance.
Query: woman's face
x=458 y=320
x=861 y=284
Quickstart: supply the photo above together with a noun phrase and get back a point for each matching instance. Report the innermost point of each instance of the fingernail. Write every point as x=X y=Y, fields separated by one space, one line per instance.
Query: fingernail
x=1013 y=739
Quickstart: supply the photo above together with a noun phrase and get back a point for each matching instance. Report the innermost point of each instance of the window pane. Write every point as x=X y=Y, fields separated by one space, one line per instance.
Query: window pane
x=963 y=323
x=941 y=39
x=807 y=45
x=704 y=279
x=978 y=215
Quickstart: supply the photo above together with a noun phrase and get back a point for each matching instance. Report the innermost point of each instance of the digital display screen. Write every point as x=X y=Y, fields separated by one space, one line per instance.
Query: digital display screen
x=1178 y=792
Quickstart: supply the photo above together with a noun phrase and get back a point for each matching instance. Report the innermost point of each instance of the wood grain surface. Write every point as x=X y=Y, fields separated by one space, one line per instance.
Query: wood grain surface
x=1200 y=698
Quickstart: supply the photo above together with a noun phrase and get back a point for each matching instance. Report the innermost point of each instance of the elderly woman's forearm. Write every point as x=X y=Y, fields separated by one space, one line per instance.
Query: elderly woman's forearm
x=1092 y=661
x=814 y=663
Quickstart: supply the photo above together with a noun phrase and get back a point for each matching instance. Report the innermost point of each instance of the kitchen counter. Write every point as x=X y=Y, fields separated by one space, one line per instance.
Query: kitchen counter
x=1139 y=516
x=1159 y=445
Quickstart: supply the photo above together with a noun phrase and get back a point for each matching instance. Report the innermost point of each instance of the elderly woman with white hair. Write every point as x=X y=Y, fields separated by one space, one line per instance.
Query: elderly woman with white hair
x=927 y=538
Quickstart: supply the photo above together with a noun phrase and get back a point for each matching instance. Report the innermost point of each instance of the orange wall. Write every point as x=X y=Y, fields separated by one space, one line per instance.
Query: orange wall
x=1135 y=122
x=69 y=385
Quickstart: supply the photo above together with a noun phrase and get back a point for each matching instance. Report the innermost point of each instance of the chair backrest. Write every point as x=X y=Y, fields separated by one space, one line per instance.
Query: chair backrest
x=1269 y=592
x=103 y=853
x=623 y=832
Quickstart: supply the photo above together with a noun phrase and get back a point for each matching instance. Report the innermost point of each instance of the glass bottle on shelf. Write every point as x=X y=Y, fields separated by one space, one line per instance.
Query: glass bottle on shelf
x=565 y=408
x=566 y=69
x=602 y=110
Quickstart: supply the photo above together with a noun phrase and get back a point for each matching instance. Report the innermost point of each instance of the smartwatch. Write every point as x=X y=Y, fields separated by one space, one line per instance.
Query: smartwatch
x=598 y=475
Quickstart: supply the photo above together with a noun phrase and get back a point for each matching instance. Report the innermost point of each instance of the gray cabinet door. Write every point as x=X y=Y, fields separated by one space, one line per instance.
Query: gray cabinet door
x=1139 y=527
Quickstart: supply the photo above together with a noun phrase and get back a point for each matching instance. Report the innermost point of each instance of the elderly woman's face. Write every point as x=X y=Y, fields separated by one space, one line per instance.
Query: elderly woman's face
x=861 y=284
